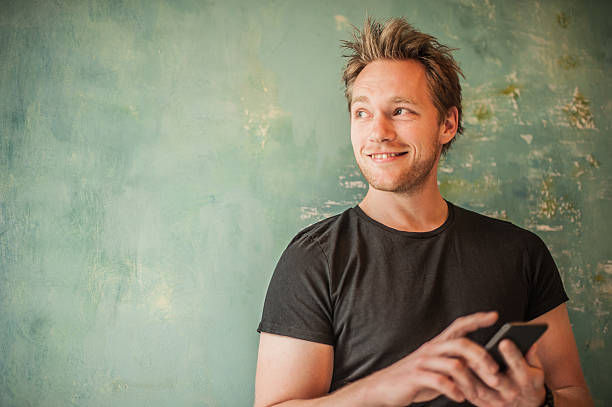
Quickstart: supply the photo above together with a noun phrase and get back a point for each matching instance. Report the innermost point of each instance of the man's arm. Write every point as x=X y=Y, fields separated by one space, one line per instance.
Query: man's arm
x=290 y=368
x=559 y=357
x=292 y=372
x=554 y=361
x=298 y=373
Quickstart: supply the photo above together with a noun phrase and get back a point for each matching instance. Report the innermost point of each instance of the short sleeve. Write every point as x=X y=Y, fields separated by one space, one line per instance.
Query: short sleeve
x=298 y=302
x=546 y=288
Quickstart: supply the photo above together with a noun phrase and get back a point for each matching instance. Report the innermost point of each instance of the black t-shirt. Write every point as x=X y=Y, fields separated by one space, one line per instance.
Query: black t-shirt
x=376 y=294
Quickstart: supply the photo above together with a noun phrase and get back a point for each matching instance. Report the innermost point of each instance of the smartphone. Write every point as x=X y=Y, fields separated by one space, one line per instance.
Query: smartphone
x=522 y=334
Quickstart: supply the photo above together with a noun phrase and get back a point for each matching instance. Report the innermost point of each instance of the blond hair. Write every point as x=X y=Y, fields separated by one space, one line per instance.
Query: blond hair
x=398 y=40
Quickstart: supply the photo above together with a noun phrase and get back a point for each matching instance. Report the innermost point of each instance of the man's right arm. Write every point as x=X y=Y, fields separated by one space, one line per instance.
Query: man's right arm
x=293 y=372
x=296 y=373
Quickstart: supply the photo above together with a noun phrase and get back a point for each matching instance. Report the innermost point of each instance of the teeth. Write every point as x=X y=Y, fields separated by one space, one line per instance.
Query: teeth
x=384 y=155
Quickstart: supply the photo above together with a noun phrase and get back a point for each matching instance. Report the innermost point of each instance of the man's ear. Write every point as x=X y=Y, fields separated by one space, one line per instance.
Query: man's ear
x=448 y=127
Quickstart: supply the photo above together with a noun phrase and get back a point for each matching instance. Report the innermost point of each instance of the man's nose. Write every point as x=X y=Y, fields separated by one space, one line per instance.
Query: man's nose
x=382 y=129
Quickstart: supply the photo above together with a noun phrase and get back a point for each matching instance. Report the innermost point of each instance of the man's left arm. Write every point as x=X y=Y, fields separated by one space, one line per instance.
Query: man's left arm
x=558 y=354
x=553 y=360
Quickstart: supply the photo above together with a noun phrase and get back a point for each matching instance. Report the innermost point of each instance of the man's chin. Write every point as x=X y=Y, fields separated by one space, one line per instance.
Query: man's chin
x=407 y=182
x=401 y=186
x=386 y=187
x=396 y=187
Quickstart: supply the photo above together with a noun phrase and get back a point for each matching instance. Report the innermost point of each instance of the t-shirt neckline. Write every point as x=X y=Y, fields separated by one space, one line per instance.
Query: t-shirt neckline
x=418 y=235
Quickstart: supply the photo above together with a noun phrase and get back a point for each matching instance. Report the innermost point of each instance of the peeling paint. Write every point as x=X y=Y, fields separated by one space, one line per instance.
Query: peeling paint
x=541 y=41
x=550 y=205
x=308 y=212
x=482 y=113
x=116 y=385
x=605 y=267
x=259 y=95
x=563 y=19
x=595 y=344
x=326 y=209
x=580 y=169
x=548 y=228
x=354 y=184
x=567 y=62
x=486 y=9
x=514 y=92
x=511 y=90
x=578 y=112
x=341 y=22
x=483 y=187
x=498 y=214
x=591 y=160
x=258 y=123
x=547 y=207
x=352 y=181
x=603 y=278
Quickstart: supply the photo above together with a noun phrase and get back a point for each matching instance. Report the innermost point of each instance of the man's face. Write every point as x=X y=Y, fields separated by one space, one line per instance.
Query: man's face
x=395 y=131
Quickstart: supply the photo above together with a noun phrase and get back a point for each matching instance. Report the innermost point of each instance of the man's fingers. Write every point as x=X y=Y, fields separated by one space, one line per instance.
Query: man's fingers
x=523 y=377
x=457 y=370
x=518 y=370
x=474 y=355
x=464 y=325
x=526 y=373
x=487 y=395
x=441 y=384
x=515 y=361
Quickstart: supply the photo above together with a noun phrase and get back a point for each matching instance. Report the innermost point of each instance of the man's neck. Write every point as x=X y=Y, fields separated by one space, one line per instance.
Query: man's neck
x=418 y=212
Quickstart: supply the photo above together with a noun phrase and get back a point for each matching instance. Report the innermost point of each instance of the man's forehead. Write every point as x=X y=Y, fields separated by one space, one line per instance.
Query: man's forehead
x=390 y=81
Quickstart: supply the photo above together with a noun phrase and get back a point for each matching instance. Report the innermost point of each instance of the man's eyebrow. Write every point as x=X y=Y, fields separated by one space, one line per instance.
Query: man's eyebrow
x=360 y=99
x=400 y=99
x=393 y=99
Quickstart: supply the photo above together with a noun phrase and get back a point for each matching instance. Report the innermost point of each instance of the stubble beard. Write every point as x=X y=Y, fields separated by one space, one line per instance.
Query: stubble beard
x=409 y=182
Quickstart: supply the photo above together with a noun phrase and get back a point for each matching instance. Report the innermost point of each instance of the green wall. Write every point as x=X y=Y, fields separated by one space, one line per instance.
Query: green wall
x=157 y=156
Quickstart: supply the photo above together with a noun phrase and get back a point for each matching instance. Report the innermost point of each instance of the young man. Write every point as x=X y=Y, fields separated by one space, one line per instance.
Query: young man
x=385 y=304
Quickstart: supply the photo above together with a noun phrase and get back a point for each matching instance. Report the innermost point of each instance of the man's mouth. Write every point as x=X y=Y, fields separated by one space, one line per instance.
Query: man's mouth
x=384 y=156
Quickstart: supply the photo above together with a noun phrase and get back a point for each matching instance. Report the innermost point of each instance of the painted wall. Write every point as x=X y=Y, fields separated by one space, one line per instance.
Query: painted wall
x=157 y=156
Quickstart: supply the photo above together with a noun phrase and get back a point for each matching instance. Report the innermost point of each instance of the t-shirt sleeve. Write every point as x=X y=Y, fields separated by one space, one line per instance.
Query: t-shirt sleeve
x=298 y=301
x=546 y=288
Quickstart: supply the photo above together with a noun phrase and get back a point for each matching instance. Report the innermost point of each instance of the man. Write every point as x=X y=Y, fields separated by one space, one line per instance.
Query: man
x=385 y=304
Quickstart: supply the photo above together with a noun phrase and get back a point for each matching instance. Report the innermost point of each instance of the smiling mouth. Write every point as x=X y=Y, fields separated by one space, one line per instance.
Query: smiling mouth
x=384 y=156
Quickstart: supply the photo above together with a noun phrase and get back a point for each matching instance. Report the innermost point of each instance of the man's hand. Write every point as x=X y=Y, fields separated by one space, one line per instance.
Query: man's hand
x=521 y=385
x=293 y=372
x=449 y=364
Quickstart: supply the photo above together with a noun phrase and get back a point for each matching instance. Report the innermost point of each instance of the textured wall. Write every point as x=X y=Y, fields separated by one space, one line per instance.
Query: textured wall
x=157 y=156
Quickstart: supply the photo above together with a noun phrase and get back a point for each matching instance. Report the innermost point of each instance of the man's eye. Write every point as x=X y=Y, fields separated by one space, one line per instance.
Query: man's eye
x=401 y=110
x=360 y=113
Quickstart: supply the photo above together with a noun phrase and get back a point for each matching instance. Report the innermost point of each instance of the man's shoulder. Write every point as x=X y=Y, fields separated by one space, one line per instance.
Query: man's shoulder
x=484 y=225
x=317 y=240
x=325 y=227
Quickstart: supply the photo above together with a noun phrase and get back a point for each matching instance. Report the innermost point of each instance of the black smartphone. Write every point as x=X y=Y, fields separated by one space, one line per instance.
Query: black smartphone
x=522 y=334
